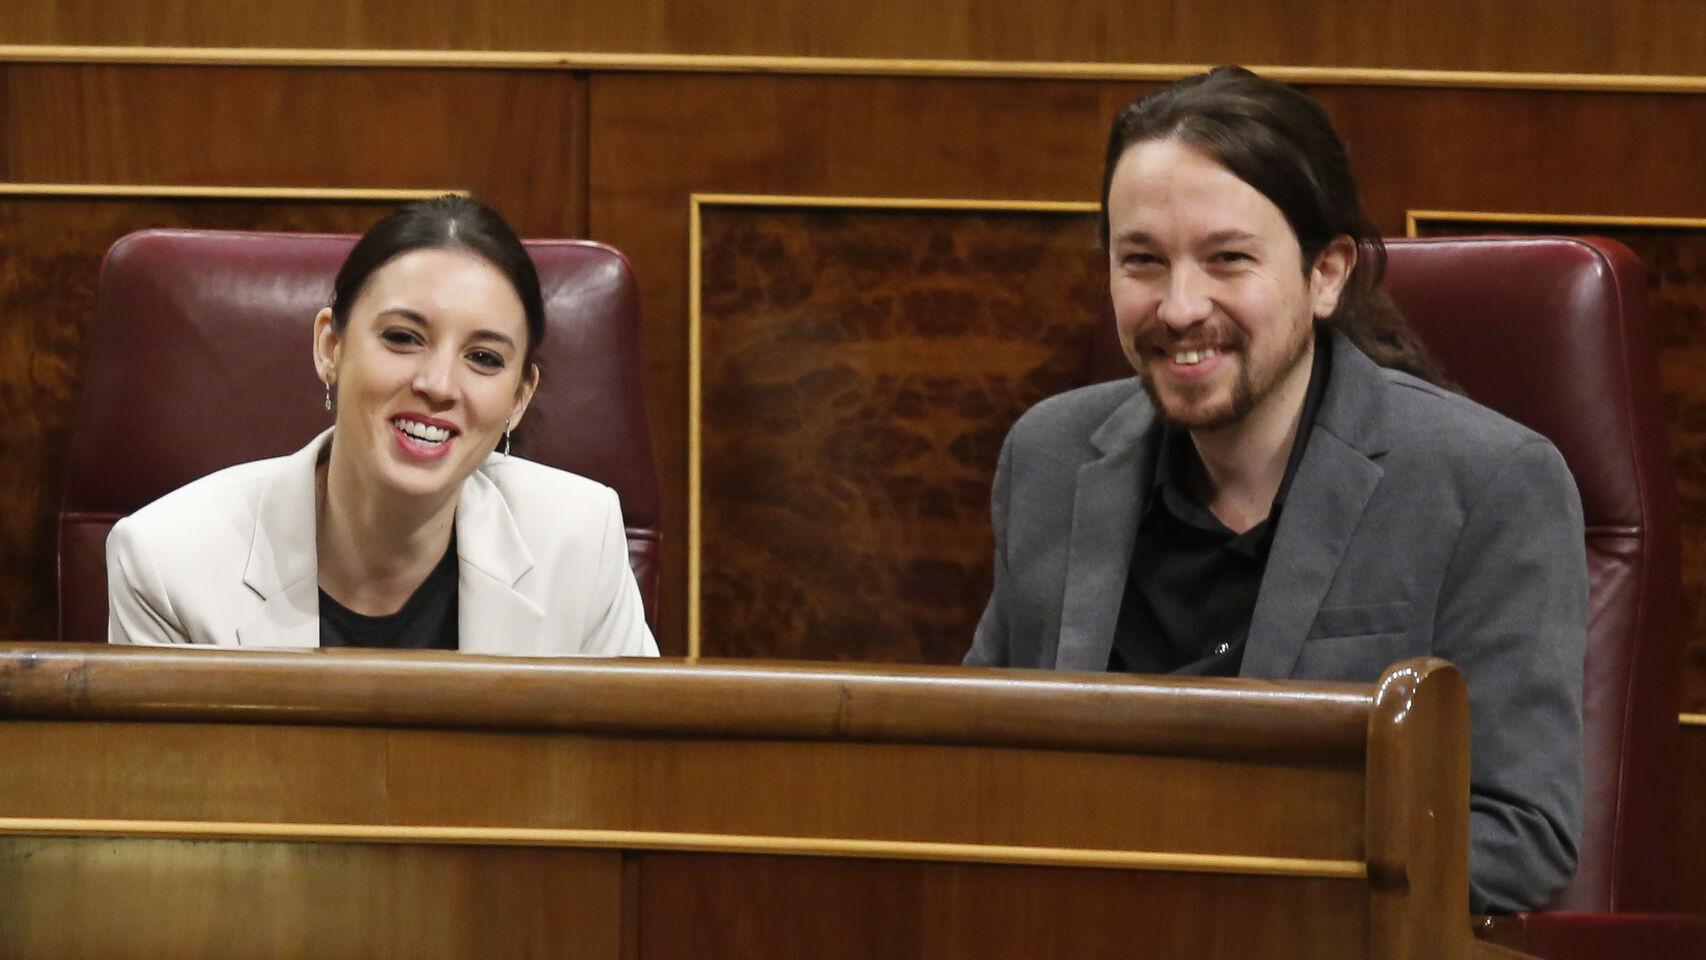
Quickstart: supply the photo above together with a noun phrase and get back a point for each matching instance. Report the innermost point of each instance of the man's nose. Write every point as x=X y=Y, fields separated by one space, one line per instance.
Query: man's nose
x=1185 y=302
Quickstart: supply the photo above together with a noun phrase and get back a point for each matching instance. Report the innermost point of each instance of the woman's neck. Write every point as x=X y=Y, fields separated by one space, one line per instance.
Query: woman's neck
x=374 y=547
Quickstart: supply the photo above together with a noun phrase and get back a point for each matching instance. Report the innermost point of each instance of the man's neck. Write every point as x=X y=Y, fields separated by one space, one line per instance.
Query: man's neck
x=1243 y=463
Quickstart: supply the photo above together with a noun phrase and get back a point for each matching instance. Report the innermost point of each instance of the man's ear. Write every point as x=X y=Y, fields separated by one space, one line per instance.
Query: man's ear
x=524 y=394
x=328 y=342
x=1329 y=274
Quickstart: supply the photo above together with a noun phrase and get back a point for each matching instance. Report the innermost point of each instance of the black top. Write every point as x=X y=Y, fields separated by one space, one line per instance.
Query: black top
x=1192 y=584
x=426 y=621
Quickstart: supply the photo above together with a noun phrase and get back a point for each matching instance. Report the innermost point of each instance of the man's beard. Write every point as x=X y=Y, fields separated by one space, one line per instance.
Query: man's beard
x=1247 y=394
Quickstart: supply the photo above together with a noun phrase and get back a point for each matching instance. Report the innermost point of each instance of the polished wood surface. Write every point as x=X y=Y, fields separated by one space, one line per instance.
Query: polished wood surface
x=264 y=784
x=1632 y=36
x=245 y=899
x=1106 y=712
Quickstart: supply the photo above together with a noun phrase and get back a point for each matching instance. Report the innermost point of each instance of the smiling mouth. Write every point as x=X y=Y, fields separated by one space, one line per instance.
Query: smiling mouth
x=1190 y=358
x=423 y=432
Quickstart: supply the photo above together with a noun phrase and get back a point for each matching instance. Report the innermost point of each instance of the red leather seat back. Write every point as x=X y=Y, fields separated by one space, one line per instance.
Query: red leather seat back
x=1554 y=332
x=199 y=358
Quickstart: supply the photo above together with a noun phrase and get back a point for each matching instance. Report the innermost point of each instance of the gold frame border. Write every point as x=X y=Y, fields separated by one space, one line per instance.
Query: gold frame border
x=833 y=66
x=1414 y=218
x=1142 y=860
x=695 y=330
x=147 y=191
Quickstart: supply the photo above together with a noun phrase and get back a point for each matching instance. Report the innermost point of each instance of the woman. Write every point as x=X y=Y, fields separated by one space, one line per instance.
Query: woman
x=399 y=526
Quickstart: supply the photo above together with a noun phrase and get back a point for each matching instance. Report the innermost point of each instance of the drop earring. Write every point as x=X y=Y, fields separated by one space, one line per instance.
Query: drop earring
x=328 y=395
x=506 y=437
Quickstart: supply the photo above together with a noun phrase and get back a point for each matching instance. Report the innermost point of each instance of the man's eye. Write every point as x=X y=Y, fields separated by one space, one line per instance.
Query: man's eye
x=1142 y=260
x=487 y=360
x=1231 y=256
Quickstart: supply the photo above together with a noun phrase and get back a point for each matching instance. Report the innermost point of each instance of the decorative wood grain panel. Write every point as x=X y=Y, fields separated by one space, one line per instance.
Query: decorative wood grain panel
x=50 y=254
x=1631 y=36
x=1675 y=255
x=860 y=370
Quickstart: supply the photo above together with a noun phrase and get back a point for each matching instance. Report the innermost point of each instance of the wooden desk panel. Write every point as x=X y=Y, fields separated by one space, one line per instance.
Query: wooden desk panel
x=194 y=803
x=151 y=899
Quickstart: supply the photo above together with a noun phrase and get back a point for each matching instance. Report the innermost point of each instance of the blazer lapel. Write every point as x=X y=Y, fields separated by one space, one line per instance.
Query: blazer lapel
x=282 y=568
x=493 y=616
x=1105 y=507
x=1334 y=481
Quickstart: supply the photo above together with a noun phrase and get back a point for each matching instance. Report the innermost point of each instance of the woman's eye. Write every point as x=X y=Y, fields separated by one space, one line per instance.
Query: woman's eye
x=397 y=337
x=487 y=360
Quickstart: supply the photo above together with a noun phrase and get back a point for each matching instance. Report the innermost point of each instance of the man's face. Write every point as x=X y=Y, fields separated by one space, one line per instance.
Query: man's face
x=1211 y=300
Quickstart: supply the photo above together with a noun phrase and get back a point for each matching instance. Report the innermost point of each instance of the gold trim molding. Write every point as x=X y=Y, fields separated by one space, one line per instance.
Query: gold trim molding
x=153 y=191
x=695 y=331
x=835 y=66
x=696 y=842
x=1413 y=219
x=1692 y=719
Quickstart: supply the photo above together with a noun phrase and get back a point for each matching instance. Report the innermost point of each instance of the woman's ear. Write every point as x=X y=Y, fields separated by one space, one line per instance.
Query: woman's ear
x=1329 y=274
x=524 y=394
x=327 y=343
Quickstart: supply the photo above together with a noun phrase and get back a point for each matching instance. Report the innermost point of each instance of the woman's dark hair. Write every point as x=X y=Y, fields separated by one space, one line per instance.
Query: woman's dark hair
x=447 y=221
x=1280 y=142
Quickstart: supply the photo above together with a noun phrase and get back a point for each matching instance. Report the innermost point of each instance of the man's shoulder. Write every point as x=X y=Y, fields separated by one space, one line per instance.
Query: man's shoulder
x=1070 y=418
x=1430 y=420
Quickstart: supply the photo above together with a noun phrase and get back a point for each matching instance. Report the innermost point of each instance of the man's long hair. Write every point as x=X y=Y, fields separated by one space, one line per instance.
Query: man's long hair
x=1281 y=143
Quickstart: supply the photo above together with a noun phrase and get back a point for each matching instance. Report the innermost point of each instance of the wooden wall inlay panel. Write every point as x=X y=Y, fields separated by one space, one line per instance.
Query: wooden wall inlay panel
x=860 y=368
x=1675 y=254
x=50 y=253
x=1630 y=36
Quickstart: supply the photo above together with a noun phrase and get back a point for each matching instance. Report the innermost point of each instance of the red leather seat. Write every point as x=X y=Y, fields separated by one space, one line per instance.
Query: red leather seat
x=199 y=359
x=1554 y=332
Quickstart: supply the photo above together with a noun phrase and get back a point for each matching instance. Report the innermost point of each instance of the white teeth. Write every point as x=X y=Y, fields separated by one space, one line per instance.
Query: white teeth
x=423 y=432
x=1190 y=358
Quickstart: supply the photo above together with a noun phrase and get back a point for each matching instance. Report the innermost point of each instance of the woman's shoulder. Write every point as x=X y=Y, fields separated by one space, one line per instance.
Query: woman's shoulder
x=210 y=502
x=542 y=493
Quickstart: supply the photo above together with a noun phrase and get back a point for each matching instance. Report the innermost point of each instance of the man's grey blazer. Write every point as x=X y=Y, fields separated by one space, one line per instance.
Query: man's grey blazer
x=1418 y=523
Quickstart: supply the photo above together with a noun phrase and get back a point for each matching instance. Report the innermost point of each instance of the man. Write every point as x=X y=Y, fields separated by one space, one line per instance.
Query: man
x=1291 y=493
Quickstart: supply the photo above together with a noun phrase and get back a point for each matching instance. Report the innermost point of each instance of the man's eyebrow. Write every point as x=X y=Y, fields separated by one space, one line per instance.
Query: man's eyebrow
x=1230 y=235
x=1134 y=236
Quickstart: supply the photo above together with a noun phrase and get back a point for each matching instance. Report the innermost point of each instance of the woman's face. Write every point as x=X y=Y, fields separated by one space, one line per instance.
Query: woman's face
x=427 y=371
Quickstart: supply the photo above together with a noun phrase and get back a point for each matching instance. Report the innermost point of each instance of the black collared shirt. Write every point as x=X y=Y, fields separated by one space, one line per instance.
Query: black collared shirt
x=1192 y=584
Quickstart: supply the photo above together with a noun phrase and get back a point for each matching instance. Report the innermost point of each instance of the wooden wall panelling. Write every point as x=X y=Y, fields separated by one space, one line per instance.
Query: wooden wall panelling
x=659 y=139
x=512 y=137
x=1632 y=36
x=515 y=139
x=860 y=365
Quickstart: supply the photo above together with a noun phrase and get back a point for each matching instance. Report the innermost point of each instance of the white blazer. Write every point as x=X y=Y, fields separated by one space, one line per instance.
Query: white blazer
x=229 y=560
